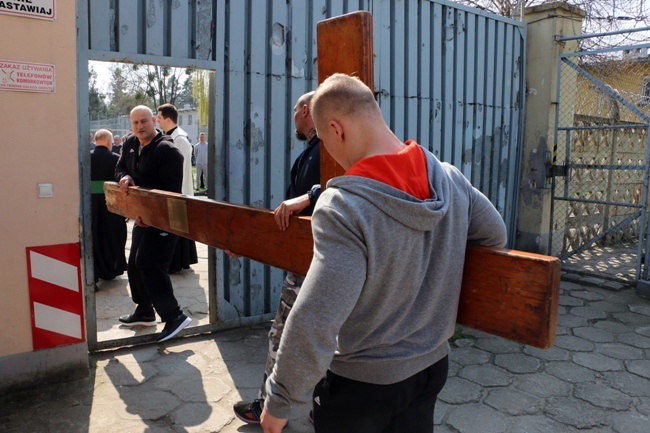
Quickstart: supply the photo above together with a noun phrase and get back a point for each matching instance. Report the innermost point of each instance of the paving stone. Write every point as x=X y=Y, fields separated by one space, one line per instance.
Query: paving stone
x=454 y=368
x=619 y=351
x=570 y=372
x=552 y=354
x=542 y=385
x=440 y=412
x=571 y=281
x=635 y=340
x=513 y=402
x=129 y=374
x=613 y=327
x=499 y=345
x=486 y=375
x=602 y=396
x=597 y=362
x=628 y=423
x=460 y=391
x=643 y=330
x=592 y=281
x=608 y=307
x=562 y=330
x=465 y=419
x=587 y=295
x=574 y=344
x=200 y=417
x=518 y=363
x=464 y=342
x=630 y=318
x=631 y=385
x=571 y=321
x=212 y=389
x=594 y=334
x=612 y=285
x=643 y=406
x=576 y=413
x=588 y=313
x=639 y=367
x=537 y=424
x=469 y=356
x=145 y=403
x=570 y=301
x=643 y=309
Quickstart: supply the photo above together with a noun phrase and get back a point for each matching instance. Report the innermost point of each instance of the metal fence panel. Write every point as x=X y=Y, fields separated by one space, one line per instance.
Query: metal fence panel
x=601 y=172
x=446 y=75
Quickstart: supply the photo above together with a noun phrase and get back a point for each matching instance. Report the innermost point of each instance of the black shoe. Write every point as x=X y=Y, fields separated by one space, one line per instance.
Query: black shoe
x=137 y=320
x=173 y=327
x=249 y=411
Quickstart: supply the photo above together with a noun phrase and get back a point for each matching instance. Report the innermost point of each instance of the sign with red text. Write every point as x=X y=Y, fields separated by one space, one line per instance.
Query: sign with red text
x=27 y=77
x=39 y=9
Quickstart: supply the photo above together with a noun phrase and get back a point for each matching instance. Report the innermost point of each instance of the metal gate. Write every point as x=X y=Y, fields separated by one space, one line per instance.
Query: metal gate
x=600 y=161
x=449 y=76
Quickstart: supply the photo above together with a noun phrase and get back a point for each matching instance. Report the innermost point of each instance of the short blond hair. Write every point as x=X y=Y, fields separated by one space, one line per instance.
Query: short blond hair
x=342 y=95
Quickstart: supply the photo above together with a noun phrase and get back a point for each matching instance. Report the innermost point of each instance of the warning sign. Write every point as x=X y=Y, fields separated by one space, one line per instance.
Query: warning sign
x=40 y=9
x=27 y=77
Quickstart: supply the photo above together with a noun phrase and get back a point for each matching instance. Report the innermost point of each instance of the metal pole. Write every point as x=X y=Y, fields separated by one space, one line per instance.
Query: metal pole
x=595 y=35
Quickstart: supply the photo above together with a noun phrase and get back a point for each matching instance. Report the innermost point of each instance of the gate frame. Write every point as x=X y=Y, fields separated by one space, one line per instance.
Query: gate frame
x=84 y=55
x=564 y=170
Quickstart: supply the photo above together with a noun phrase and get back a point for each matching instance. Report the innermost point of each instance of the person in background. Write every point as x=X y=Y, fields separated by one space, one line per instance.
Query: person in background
x=185 y=253
x=302 y=194
x=108 y=229
x=117 y=144
x=201 y=154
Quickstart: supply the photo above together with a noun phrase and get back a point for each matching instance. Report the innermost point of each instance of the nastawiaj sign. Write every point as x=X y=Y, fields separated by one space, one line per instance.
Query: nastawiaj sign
x=40 y=9
x=27 y=77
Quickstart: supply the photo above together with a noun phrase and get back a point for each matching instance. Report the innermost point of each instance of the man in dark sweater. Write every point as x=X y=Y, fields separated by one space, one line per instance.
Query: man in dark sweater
x=304 y=189
x=150 y=159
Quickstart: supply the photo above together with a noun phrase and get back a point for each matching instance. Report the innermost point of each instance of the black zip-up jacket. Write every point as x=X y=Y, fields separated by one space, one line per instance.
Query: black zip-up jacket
x=305 y=175
x=158 y=166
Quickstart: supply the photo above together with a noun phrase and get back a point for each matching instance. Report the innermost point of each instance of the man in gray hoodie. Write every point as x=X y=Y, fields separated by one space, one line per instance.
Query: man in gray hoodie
x=370 y=326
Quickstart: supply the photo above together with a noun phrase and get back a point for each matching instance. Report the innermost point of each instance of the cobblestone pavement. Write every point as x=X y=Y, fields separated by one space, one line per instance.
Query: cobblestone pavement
x=595 y=380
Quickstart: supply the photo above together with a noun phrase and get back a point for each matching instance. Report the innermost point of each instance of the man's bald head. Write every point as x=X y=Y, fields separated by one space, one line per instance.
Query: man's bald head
x=103 y=137
x=143 y=124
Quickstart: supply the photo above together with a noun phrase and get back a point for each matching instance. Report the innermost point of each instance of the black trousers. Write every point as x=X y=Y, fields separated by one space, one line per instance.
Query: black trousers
x=151 y=253
x=344 y=405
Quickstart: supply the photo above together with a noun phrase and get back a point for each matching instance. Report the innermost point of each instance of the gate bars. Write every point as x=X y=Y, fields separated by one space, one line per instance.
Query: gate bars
x=600 y=188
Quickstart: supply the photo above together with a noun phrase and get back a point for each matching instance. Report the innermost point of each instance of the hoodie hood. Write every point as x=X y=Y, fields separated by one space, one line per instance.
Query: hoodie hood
x=410 y=211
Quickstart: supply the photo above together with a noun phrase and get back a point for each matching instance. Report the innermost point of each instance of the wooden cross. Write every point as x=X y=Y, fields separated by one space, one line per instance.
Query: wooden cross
x=512 y=294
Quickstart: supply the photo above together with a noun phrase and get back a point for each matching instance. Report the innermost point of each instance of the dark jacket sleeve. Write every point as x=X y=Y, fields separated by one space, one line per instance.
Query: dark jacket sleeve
x=120 y=167
x=170 y=166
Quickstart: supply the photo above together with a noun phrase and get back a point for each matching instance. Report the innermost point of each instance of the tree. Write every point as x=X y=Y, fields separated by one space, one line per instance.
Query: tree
x=161 y=84
x=200 y=89
x=97 y=107
x=601 y=16
x=150 y=85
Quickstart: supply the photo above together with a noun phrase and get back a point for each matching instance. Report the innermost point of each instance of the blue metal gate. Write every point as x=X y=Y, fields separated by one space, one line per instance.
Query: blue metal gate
x=449 y=76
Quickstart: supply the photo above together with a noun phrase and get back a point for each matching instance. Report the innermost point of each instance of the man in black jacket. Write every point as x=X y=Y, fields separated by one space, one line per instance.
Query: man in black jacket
x=302 y=193
x=150 y=159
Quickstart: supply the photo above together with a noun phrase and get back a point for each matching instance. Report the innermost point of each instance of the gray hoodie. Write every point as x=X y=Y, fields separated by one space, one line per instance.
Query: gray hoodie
x=380 y=299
